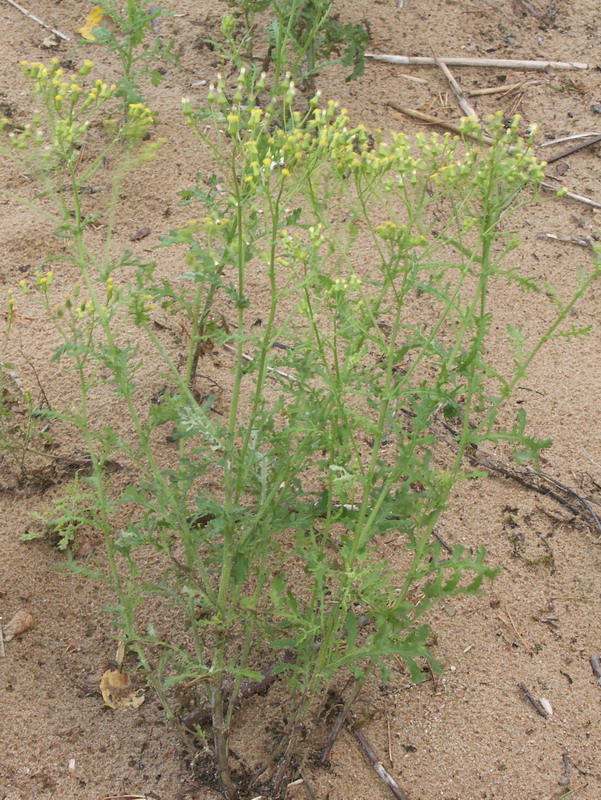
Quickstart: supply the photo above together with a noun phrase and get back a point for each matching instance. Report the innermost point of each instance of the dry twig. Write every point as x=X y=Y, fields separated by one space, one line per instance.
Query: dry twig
x=451 y=126
x=581 y=242
x=534 y=701
x=246 y=357
x=38 y=20
x=309 y=791
x=570 y=138
x=579 y=197
x=340 y=720
x=506 y=89
x=467 y=109
x=574 y=149
x=381 y=771
x=517 y=633
x=503 y=63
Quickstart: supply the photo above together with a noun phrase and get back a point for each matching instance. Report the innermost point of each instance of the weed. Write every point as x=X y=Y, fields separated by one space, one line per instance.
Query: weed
x=303 y=37
x=66 y=520
x=125 y=36
x=270 y=516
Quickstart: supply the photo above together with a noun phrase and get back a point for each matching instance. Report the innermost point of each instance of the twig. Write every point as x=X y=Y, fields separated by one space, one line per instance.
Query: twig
x=565 y=779
x=579 y=197
x=413 y=78
x=446 y=546
x=307 y=786
x=574 y=149
x=570 y=138
x=2 y=651
x=389 y=743
x=340 y=720
x=381 y=771
x=595 y=666
x=415 y=114
x=507 y=89
x=38 y=20
x=586 y=242
x=457 y=91
x=517 y=633
x=128 y=797
x=533 y=701
x=576 y=496
x=504 y=63
x=270 y=369
x=526 y=477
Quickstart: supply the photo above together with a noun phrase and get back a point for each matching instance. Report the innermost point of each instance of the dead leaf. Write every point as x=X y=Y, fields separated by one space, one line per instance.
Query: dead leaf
x=22 y=621
x=94 y=18
x=141 y=234
x=119 y=691
x=50 y=42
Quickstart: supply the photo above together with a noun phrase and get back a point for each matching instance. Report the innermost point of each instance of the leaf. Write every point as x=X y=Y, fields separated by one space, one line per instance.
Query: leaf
x=140 y=234
x=22 y=621
x=50 y=42
x=119 y=691
x=93 y=20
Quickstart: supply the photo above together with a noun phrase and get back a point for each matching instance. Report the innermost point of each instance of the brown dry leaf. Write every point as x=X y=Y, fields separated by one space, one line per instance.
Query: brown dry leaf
x=118 y=690
x=141 y=234
x=22 y=621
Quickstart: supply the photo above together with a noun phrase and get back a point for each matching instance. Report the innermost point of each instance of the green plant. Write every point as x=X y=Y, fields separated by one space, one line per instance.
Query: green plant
x=303 y=37
x=125 y=36
x=67 y=518
x=270 y=515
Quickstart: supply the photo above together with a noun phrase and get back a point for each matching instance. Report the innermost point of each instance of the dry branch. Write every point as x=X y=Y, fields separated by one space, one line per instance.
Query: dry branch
x=505 y=89
x=574 y=149
x=443 y=123
x=534 y=701
x=579 y=197
x=381 y=771
x=570 y=138
x=467 y=109
x=503 y=63
x=38 y=20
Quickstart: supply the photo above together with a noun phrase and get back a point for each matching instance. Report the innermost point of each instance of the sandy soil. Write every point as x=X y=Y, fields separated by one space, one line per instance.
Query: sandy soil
x=470 y=734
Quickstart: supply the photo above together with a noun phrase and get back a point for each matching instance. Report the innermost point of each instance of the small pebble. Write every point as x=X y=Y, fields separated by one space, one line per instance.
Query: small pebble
x=596 y=108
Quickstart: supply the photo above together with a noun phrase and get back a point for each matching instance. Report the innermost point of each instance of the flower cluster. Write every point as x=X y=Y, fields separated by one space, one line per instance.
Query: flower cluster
x=74 y=307
x=64 y=92
x=70 y=108
x=277 y=141
x=508 y=155
x=140 y=119
x=400 y=236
